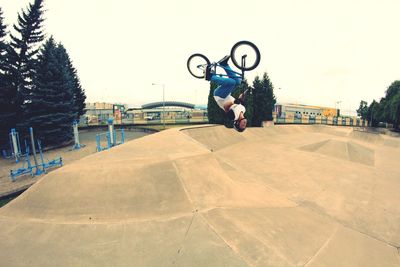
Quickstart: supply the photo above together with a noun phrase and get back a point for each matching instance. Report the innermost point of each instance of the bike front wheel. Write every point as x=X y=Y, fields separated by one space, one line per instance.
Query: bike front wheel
x=245 y=55
x=197 y=64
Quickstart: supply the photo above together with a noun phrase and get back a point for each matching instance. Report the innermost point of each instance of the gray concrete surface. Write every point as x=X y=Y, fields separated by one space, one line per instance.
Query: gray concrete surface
x=87 y=138
x=209 y=196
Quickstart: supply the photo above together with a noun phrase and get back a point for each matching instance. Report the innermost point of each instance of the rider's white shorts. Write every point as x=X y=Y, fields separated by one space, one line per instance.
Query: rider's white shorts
x=222 y=101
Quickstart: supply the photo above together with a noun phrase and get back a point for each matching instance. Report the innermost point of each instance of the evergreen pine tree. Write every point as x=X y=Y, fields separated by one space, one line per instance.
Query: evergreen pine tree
x=259 y=102
x=264 y=100
x=249 y=101
x=79 y=96
x=7 y=116
x=3 y=32
x=215 y=114
x=21 y=55
x=51 y=97
x=271 y=99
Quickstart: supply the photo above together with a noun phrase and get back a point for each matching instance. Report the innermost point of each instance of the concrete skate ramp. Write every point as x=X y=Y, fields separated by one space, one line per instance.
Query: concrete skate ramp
x=374 y=138
x=209 y=196
x=343 y=150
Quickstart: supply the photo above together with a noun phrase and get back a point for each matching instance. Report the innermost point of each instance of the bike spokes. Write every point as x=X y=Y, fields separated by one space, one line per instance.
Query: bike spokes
x=245 y=55
x=197 y=64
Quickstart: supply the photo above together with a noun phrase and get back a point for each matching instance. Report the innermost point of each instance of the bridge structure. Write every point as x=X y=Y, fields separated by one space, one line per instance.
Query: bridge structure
x=168 y=104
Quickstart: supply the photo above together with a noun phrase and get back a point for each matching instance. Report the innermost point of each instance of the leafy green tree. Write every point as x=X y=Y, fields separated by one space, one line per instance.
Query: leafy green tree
x=22 y=52
x=388 y=108
x=363 y=110
x=51 y=98
x=393 y=104
x=383 y=111
x=393 y=90
x=264 y=100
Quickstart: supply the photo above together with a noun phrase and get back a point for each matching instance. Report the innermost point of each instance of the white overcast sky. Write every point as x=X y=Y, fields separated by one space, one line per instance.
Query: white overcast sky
x=317 y=51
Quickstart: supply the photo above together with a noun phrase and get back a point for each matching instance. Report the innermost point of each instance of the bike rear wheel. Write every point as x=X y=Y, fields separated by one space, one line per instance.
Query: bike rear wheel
x=249 y=52
x=197 y=64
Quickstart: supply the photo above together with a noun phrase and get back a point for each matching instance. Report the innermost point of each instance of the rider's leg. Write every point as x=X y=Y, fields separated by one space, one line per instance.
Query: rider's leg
x=233 y=75
x=226 y=86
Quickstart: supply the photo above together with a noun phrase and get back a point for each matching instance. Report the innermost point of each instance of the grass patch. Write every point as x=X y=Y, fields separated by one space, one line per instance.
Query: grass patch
x=6 y=200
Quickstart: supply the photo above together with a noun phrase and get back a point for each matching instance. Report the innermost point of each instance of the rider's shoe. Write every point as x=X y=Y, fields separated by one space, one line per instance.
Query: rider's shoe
x=208 y=73
x=224 y=60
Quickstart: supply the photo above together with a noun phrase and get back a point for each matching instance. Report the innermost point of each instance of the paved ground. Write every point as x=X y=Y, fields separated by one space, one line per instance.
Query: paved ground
x=87 y=137
x=276 y=196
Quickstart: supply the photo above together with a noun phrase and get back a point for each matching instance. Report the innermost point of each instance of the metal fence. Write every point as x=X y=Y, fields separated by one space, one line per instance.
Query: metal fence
x=339 y=121
x=135 y=121
x=343 y=121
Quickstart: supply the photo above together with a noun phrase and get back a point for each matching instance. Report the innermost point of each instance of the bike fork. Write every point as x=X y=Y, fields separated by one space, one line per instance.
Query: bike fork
x=243 y=65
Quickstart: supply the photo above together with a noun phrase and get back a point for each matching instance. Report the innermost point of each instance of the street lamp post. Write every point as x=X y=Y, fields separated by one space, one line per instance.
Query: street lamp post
x=163 y=89
x=337 y=105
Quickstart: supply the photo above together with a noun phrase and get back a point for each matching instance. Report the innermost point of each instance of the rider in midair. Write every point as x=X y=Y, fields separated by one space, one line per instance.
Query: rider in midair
x=233 y=108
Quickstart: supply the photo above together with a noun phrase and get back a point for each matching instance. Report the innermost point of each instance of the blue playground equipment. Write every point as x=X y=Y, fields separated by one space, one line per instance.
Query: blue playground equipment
x=52 y=163
x=15 y=147
x=110 y=137
x=36 y=169
x=77 y=144
x=26 y=168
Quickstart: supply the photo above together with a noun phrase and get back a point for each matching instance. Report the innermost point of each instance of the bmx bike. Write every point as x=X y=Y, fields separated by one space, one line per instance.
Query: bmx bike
x=244 y=55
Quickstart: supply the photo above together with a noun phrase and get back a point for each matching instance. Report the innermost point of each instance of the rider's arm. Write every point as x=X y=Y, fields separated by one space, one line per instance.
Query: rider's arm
x=239 y=101
x=242 y=96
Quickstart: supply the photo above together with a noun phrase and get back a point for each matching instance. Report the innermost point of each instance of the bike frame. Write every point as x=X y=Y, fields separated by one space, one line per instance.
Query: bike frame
x=238 y=75
x=214 y=65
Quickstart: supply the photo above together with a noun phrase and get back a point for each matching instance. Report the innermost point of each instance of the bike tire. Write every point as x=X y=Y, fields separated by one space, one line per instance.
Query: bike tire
x=196 y=70
x=237 y=61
